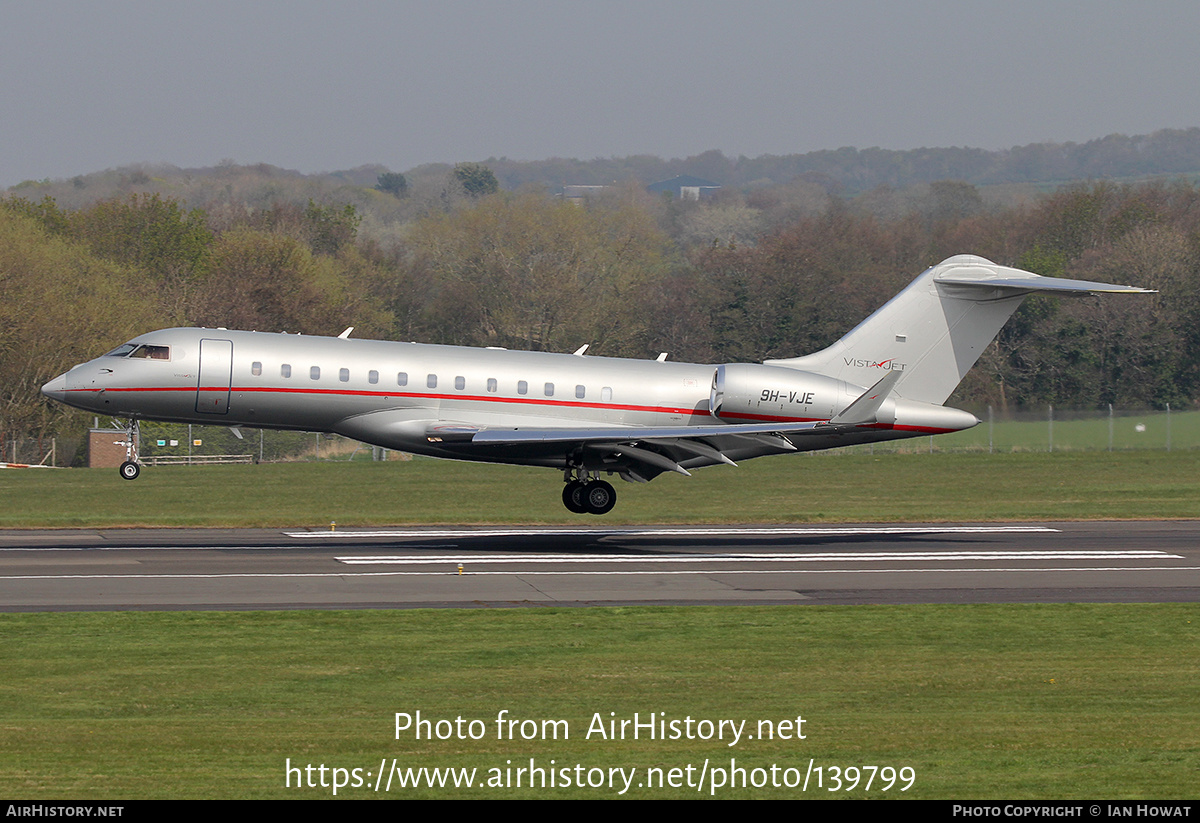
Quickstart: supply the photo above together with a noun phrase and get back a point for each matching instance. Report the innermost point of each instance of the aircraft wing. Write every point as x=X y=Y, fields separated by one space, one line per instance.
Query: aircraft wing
x=626 y=434
x=640 y=452
x=650 y=450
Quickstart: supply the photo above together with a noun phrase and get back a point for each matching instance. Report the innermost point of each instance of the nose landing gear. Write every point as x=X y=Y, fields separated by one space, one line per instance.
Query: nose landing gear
x=131 y=468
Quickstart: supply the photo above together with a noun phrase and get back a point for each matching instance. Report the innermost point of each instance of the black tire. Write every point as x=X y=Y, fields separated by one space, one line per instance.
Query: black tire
x=599 y=497
x=130 y=470
x=572 y=497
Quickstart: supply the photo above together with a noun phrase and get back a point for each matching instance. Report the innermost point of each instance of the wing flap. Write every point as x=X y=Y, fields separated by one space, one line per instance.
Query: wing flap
x=627 y=434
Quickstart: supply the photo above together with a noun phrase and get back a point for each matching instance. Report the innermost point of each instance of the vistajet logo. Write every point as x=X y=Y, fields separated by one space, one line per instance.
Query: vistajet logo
x=886 y=365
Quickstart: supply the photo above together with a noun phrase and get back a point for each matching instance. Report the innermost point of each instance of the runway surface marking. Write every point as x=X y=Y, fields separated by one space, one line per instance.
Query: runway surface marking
x=220 y=548
x=464 y=565
x=826 y=557
x=578 y=572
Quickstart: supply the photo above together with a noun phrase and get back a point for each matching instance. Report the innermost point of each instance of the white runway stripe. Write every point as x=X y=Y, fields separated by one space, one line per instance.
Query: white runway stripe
x=827 y=557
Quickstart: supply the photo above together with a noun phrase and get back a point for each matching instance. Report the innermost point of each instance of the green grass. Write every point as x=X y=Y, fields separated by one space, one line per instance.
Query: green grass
x=814 y=487
x=1042 y=701
x=1054 y=701
x=1071 y=431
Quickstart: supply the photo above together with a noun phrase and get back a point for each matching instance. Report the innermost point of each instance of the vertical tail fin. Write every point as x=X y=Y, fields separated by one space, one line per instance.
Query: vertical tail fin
x=937 y=327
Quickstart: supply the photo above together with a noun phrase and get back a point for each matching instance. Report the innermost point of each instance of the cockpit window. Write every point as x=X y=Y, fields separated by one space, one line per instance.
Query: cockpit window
x=152 y=352
x=122 y=350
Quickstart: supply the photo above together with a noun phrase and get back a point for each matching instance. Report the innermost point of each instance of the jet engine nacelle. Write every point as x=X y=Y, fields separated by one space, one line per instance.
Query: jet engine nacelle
x=745 y=392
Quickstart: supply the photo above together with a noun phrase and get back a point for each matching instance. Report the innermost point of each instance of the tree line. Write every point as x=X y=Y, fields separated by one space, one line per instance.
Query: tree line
x=629 y=273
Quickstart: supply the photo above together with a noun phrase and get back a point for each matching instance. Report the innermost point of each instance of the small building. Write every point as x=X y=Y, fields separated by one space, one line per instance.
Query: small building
x=106 y=448
x=579 y=194
x=685 y=187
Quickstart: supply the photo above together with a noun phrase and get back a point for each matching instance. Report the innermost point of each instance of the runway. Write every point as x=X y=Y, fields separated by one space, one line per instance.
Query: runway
x=506 y=567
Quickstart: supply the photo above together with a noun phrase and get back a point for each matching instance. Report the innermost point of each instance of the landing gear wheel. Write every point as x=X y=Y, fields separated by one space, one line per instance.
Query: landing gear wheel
x=599 y=497
x=130 y=470
x=572 y=497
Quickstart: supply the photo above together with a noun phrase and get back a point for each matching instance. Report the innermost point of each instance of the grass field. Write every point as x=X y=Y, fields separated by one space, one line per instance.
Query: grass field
x=1029 y=431
x=1004 y=701
x=1056 y=701
x=811 y=487
x=1071 y=430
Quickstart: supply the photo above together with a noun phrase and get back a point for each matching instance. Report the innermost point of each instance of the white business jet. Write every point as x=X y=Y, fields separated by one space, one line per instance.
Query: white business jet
x=585 y=416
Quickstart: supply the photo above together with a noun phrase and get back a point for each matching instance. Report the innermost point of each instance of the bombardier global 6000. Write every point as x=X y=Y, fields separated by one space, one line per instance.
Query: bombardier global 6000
x=585 y=416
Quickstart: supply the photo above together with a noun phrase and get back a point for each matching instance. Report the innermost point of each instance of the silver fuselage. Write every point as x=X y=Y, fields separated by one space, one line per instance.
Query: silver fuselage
x=407 y=395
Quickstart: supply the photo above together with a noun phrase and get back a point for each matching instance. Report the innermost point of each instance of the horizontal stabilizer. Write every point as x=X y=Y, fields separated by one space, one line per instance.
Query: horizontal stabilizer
x=1001 y=277
x=935 y=330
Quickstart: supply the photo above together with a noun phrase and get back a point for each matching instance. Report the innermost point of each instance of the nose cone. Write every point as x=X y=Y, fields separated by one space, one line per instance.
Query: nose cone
x=56 y=389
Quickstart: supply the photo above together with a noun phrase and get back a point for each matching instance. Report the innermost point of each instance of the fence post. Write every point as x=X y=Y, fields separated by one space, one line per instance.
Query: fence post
x=1168 y=427
x=991 y=428
x=1110 y=426
x=1050 y=426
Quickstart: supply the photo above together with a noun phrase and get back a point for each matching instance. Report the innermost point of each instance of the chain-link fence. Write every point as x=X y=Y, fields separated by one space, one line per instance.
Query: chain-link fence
x=39 y=451
x=175 y=444
x=1053 y=429
x=1044 y=430
x=172 y=443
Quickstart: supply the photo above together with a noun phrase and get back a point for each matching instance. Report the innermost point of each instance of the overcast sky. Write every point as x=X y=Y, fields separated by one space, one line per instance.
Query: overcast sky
x=320 y=86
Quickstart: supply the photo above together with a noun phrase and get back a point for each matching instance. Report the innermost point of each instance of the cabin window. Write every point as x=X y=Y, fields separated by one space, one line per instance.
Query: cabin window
x=372 y=377
x=152 y=352
x=580 y=392
x=256 y=368
x=606 y=394
x=492 y=384
x=402 y=379
x=549 y=389
x=315 y=372
x=460 y=383
x=122 y=350
x=285 y=370
x=522 y=387
x=344 y=375
x=431 y=381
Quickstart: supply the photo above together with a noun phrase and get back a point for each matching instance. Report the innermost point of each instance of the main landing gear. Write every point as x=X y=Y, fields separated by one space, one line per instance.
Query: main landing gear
x=589 y=495
x=131 y=468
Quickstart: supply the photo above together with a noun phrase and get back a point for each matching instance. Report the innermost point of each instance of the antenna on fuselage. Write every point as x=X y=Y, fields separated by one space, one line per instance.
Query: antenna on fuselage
x=579 y=351
x=346 y=334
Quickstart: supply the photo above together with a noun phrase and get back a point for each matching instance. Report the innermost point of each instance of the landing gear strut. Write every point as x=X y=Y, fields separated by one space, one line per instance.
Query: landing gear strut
x=589 y=495
x=131 y=468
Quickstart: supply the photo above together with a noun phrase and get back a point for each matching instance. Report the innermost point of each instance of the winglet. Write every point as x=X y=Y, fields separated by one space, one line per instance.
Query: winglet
x=863 y=411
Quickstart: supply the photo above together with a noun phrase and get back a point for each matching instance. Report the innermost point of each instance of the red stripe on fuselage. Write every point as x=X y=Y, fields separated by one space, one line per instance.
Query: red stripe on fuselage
x=534 y=401
x=531 y=401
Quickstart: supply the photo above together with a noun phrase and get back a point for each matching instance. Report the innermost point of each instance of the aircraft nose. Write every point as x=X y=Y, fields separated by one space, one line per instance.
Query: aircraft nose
x=56 y=388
